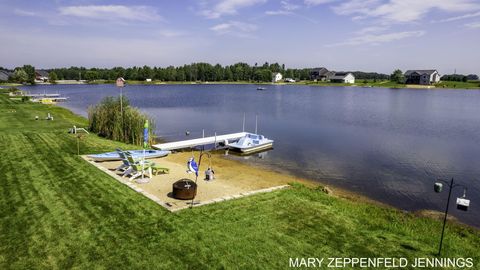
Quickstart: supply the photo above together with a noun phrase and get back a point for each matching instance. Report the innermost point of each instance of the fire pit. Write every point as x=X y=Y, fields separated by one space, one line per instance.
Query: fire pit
x=184 y=189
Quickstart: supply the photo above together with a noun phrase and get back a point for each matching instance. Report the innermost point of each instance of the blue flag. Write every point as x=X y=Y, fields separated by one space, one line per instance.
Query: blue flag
x=145 y=134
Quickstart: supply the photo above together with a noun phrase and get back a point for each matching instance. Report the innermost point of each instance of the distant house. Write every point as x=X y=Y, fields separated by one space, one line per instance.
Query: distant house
x=343 y=77
x=472 y=77
x=276 y=77
x=320 y=74
x=41 y=75
x=5 y=75
x=148 y=80
x=423 y=77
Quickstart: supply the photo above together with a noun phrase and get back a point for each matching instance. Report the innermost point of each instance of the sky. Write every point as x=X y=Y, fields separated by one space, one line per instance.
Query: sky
x=367 y=35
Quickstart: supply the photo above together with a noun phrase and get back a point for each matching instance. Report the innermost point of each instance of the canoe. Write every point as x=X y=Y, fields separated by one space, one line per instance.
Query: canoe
x=112 y=156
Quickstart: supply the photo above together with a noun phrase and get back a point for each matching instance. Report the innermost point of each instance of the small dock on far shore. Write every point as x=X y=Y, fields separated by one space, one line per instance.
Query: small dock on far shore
x=199 y=141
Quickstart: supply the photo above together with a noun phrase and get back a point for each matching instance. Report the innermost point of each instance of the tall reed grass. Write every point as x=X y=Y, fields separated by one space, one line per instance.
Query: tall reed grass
x=106 y=120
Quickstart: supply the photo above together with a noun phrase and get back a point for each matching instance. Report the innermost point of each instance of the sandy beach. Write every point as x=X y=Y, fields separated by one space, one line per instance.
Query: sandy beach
x=233 y=179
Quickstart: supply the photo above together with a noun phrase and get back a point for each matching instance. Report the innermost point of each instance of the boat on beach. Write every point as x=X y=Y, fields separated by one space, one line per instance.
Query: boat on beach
x=112 y=156
x=251 y=143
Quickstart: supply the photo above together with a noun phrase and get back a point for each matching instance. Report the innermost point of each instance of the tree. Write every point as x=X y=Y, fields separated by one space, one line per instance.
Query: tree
x=91 y=75
x=397 y=76
x=30 y=70
x=20 y=76
x=52 y=77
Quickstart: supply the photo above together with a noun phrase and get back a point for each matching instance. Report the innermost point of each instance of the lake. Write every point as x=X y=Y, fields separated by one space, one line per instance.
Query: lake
x=388 y=144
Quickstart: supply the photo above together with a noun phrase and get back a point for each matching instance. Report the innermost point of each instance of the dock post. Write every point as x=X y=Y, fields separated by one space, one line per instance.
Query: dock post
x=243 y=126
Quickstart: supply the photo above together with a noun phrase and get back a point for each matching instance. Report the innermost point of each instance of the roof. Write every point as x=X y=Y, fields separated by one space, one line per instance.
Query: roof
x=42 y=73
x=6 y=72
x=340 y=75
x=330 y=73
x=4 y=75
x=321 y=71
x=420 y=71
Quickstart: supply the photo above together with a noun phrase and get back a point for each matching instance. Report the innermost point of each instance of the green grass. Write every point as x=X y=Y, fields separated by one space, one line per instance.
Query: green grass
x=359 y=83
x=460 y=85
x=58 y=212
x=10 y=84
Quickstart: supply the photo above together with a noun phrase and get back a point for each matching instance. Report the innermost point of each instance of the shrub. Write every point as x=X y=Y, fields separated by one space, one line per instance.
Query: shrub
x=106 y=120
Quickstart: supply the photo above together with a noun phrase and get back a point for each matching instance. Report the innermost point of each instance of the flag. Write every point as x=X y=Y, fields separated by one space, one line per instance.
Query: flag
x=145 y=134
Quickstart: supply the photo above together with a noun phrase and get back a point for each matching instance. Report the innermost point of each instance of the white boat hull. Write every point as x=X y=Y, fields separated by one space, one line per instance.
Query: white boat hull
x=256 y=148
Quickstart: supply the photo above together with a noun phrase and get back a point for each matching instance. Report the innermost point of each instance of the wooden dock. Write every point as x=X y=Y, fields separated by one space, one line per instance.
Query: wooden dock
x=199 y=141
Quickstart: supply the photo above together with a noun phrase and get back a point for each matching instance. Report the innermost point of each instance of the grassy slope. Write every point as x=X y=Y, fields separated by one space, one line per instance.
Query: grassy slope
x=57 y=211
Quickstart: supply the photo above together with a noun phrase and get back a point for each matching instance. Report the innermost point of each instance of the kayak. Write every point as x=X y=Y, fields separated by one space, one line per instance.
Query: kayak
x=112 y=156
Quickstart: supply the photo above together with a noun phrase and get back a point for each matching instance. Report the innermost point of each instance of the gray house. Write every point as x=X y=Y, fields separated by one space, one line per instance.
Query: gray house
x=4 y=75
x=320 y=74
x=422 y=76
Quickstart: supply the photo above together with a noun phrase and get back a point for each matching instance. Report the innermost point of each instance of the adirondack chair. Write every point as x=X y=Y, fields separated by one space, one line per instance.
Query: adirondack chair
x=140 y=170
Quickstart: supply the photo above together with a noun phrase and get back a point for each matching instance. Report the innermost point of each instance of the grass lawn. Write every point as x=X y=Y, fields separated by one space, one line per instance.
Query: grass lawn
x=57 y=212
x=361 y=83
x=460 y=85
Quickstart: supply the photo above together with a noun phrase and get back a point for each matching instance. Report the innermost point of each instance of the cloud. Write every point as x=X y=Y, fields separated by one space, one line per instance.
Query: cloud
x=228 y=7
x=172 y=33
x=111 y=12
x=402 y=11
x=286 y=5
x=456 y=18
x=317 y=2
x=371 y=29
x=278 y=12
x=286 y=8
x=377 y=39
x=234 y=28
x=22 y=12
x=473 y=25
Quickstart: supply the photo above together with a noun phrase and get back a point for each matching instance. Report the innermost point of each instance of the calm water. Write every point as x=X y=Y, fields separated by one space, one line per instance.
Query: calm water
x=388 y=144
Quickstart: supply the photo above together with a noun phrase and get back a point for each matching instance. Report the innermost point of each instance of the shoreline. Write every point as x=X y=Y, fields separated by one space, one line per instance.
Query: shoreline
x=388 y=84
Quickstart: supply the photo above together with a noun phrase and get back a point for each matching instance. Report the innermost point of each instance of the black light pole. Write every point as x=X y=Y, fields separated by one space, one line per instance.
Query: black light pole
x=438 y=188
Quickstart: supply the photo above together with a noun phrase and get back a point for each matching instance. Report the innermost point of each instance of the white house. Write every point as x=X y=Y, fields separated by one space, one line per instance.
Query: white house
x=424 y=77
x=343 y=77
x=276 y=77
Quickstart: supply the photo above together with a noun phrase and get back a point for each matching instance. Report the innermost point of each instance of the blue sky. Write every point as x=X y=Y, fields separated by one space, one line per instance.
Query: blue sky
x=369 y=35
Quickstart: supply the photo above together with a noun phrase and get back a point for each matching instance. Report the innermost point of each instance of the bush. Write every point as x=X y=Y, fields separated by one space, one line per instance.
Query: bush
x=106 y=120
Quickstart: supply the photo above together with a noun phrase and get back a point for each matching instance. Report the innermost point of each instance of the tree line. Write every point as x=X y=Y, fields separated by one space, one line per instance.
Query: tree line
x=459 y=77
x=192 y=72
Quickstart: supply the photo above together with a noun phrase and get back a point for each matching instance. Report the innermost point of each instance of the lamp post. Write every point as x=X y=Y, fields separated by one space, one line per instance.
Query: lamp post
x=462 y=203
x=120 y=83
